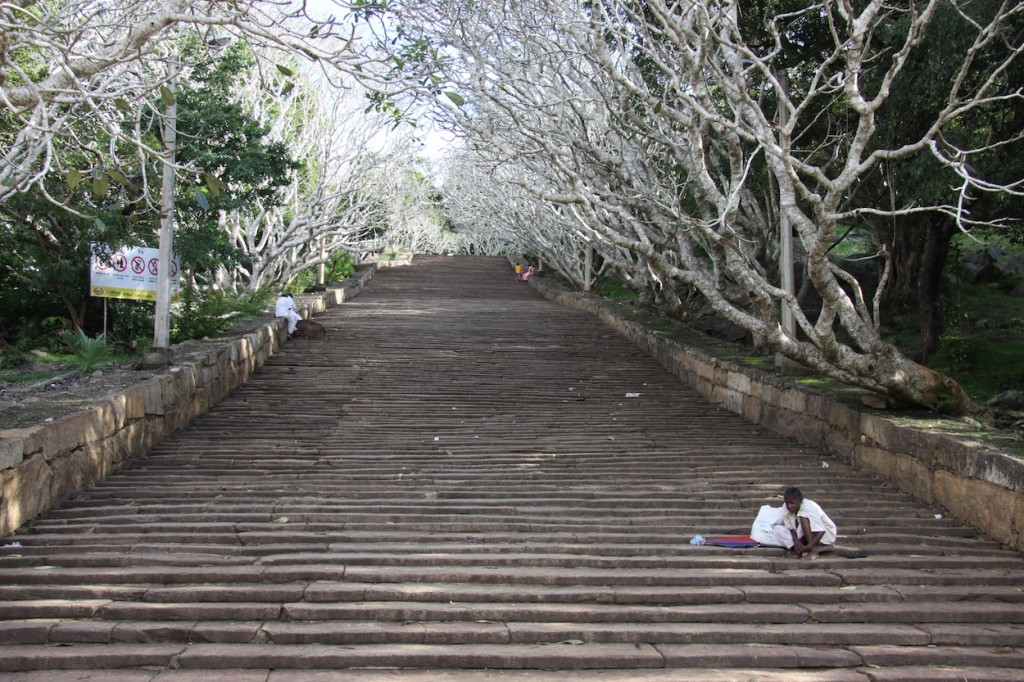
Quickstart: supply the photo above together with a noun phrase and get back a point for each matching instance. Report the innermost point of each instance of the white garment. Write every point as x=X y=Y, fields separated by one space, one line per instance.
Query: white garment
x=763 y=528
x=285 y=307
x=815 y=515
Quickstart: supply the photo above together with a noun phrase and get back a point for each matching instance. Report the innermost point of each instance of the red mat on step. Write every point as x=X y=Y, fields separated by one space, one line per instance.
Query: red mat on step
x=733 y=541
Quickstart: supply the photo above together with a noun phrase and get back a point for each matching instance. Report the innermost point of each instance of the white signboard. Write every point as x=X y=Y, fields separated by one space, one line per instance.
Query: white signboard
x=128 y=272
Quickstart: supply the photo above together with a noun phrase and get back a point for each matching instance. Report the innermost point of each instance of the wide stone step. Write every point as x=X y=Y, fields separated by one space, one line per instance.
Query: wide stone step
x=563 y=656
x=454 y=486
x=894 y=674
x=34 y=596
x=1006 y=639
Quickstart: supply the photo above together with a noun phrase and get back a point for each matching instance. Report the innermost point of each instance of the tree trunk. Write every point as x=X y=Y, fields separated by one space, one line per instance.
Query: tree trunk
x=908 y=243
x=934 y=252
x=923 y=386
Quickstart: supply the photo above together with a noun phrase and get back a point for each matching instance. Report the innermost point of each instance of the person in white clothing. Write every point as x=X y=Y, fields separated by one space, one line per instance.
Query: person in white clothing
x=285 y=307
x=805 y=528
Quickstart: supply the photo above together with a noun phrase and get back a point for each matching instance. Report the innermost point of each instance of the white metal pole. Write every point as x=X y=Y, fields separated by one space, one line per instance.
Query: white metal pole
x=161 y=326
x=785 y=233
x=588 y=266
x=323 y=265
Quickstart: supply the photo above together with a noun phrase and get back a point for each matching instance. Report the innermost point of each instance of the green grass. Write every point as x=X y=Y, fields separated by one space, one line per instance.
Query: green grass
x=614 y=289
x=813 y=382
x=983 y=345
x=984 y=367
x=9 y=377
x=857 y=240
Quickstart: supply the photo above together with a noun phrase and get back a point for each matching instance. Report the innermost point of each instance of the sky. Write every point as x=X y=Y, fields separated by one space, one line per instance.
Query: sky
x=435 y=143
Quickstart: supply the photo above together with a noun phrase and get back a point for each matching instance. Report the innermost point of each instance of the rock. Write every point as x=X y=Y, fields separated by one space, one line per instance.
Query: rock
x=1008 y=400
x=721 y=328
x=879 y=402
x=989 y=274
x=1011 y=266
x=310 y=330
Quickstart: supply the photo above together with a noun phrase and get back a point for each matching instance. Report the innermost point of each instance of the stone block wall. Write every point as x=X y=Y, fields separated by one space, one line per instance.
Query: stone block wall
x=46 y=463
x=943 y=462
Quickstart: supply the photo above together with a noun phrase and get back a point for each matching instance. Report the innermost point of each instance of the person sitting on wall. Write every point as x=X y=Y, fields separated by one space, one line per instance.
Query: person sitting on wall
x=285 y=307
x=525 y=276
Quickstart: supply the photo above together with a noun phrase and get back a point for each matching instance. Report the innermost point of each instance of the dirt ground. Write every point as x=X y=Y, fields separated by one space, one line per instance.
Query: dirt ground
x=26 y=403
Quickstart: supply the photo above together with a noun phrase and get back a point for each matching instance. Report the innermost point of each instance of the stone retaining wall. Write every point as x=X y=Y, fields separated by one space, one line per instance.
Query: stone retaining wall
x=46 y=463
x=944 y=462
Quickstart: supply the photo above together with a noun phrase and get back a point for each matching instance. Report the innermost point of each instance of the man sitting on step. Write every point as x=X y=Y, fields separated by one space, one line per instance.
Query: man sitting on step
x=805 y=528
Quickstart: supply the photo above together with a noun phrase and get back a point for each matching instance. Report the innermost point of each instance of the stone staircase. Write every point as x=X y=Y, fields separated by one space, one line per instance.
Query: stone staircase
x=455 y=486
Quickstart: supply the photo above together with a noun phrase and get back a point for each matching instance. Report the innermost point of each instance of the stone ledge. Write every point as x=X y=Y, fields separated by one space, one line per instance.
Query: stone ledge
x=940 y=461
x=46 y=463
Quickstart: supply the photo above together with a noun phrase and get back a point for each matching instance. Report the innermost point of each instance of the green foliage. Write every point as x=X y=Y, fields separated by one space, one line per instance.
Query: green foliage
x=208 y=313
x=338 y=267
x=367 y=9
x=54 y=334
x=11 y=358
x=615 y=289
x=130 y=323
x=44 y=265
x=44 y=262
x=958 y=353
x=853 y=241
x=88 y=353
x=234 y=164
x=983 y=346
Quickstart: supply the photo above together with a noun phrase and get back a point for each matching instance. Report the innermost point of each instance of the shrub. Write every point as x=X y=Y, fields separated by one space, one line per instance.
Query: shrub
x=207 y=313
x=11 y=358
x=340 y=266
x=89 y=354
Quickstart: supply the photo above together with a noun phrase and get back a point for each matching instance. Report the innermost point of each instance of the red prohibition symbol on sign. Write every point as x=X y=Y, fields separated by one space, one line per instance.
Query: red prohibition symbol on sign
x=174 y=268
x=138 y=265
x=119 y=262
x=154 y=265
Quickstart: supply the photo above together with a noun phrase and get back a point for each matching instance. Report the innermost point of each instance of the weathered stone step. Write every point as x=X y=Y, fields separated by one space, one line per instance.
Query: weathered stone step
x=440 y=506
x=729 y=612
x=898 y=569
x=563 y=656
x=892 y=640
x=896 y=674
x=677 y=528
x=10 y=595
x=68 y=631
x=900 y=674
x=467 y=494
